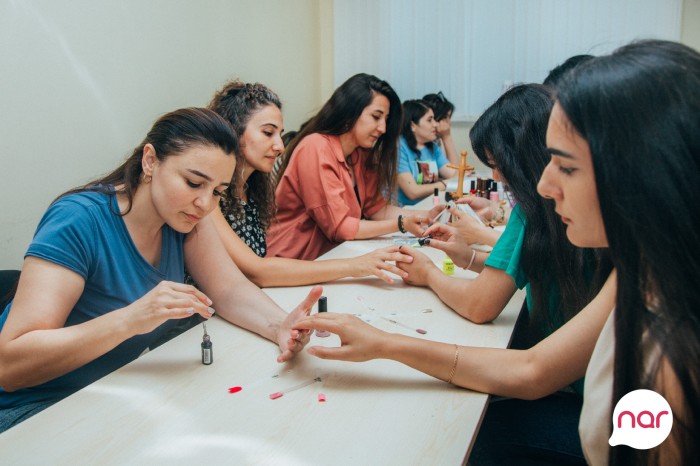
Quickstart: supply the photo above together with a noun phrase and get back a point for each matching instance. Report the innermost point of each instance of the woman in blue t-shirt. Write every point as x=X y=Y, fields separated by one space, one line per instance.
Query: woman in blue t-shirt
x=102 y=278
x=422 y=163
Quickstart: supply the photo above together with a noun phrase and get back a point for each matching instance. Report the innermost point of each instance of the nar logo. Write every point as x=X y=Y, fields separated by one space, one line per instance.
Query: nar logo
x=642 y=419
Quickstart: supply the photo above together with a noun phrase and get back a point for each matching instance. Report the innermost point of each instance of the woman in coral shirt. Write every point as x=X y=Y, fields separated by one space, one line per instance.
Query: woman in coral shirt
x=338 y=172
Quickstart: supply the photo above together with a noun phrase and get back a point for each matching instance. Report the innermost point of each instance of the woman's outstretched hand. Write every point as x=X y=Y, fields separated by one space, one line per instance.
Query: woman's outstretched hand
x=359 y=341
x=289 y=338
x=379 y=262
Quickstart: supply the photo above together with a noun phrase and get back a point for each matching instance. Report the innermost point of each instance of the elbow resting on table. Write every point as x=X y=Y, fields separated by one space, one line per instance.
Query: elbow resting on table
x=476 y=313
x=478 y=317
x=535 y=379
x=259 y=279
x=7 y=382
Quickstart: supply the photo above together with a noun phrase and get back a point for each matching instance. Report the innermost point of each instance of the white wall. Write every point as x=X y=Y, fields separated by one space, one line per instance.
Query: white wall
x=690 y=36
x=81 y=82
x=690 y=27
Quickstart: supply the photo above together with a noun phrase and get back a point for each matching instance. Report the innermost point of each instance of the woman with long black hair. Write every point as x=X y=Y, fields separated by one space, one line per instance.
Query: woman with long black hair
x=339 y=174
x=624 y=139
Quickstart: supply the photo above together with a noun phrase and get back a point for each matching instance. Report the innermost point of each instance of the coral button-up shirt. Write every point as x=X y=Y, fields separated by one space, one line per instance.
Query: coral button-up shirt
x=317 y=208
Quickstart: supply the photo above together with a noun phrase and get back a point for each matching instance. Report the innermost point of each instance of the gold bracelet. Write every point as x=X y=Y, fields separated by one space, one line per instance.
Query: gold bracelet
x=454 y=365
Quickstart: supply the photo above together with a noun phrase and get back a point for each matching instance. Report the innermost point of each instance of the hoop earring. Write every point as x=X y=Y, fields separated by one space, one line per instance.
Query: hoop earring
x=147 y=179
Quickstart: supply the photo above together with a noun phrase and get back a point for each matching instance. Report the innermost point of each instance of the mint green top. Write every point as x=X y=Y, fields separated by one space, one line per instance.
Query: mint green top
x=507 y=254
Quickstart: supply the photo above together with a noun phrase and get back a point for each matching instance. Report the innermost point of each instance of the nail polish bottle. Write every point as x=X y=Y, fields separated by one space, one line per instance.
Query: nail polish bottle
x=207 y=350
x=448 y=267
x=323 y=307
x=436 y=197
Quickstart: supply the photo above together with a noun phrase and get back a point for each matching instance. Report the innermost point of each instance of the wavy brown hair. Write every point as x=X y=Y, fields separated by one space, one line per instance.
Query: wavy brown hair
x=238 y=102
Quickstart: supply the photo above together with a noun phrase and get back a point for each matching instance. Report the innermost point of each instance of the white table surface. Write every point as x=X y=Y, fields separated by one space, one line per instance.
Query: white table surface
x=169 y=408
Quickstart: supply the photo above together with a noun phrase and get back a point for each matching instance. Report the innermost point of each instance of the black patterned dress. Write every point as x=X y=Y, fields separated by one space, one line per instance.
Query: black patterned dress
x=248 y=228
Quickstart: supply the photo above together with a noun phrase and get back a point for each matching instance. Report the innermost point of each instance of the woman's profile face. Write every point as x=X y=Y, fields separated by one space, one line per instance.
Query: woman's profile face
x=569 y=179
x=372 y=122
x=495 y=171
x=261 y=142
x=425 y=130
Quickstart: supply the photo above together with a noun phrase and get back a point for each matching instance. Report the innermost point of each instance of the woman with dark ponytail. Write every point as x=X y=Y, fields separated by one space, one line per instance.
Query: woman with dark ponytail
x=102 y=280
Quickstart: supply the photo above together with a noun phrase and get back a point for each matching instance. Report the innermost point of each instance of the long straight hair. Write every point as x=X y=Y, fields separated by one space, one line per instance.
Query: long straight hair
x=171 y=135
x=339 y=115
x=413 y=111
x=510 y=136
x=639 y=110
x=238 y=102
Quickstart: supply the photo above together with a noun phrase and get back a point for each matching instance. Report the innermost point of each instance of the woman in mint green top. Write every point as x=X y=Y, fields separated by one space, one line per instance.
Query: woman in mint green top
x=507 y=255
x=533 y=253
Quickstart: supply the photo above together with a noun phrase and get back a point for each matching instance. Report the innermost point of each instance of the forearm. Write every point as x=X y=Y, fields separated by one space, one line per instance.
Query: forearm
x=373 y=228
x=479 y=262
x=234 y=297
x=450 y=149
x=247 y=306
x=459 y=295
x=414 y=191
x=278 y=271
x=480 y=300
x=42 y=355
x=487 y=370
x=488 y=236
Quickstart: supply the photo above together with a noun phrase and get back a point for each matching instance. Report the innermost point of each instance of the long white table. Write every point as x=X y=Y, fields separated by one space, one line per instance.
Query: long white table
x=169 y=408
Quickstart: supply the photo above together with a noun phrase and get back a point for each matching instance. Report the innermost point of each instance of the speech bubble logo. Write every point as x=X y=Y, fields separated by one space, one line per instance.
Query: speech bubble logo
x=642 y=419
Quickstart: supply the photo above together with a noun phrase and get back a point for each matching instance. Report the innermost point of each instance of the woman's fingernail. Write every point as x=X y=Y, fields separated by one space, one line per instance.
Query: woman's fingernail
x=211 y=311
x=209 y=302
x=190 y=310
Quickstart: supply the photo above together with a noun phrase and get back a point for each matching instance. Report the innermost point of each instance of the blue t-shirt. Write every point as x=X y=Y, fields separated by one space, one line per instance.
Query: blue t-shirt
x=408 y=163
x=82 y=233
